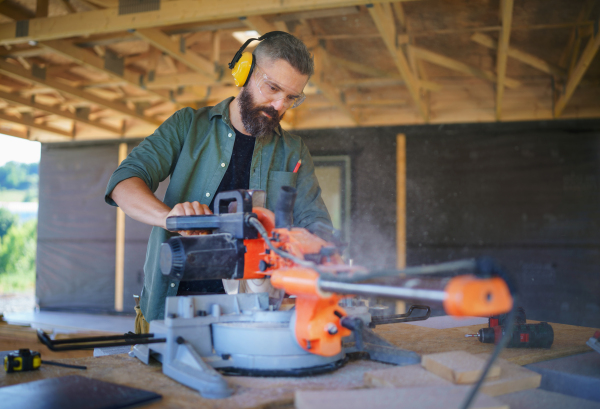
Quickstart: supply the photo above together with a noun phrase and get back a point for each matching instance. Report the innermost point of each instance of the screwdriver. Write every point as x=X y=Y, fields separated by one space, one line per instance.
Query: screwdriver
x=524 y=335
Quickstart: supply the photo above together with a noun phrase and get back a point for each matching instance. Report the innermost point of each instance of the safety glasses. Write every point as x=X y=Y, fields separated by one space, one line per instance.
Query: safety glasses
x=274 y=91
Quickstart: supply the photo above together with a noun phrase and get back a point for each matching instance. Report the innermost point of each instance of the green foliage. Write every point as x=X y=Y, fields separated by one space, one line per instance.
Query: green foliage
x=21 y=176
x=17 y=257
x=7 y=219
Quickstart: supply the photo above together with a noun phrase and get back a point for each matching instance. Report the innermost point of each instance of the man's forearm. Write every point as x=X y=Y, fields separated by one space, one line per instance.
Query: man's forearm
x=138 y=202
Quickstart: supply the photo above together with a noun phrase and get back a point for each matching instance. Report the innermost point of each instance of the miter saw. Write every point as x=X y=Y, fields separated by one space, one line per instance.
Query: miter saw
x=246 y=333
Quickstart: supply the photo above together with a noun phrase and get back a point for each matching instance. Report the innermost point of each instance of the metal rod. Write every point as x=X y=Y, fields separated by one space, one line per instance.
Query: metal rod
x=382 y=291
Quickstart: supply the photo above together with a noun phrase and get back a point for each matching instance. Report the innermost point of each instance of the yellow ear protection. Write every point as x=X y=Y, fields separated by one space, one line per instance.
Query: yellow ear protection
x=243 y=63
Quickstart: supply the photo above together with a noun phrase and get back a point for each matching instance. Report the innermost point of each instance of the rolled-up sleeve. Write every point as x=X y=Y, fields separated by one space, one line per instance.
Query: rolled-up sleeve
x=309 y=207
x=155 y=157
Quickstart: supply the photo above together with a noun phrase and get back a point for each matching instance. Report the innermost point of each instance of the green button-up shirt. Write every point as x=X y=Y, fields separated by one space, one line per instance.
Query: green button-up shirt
x=194 y=148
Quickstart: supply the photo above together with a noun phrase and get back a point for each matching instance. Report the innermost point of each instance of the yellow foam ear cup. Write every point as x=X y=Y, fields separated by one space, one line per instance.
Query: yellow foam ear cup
x=242 y=69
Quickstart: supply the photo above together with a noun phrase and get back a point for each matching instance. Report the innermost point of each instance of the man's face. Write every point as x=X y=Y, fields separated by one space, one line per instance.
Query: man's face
x=260 y=113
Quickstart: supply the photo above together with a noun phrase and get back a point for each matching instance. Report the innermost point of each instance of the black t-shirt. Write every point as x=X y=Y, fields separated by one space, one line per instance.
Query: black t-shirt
x=237 y=176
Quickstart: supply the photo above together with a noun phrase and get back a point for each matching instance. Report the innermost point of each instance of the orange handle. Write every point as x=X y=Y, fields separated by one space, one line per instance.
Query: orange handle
x=469 y=295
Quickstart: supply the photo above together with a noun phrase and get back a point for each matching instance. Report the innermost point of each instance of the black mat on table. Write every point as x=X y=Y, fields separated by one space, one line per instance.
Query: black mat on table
x=71 y=392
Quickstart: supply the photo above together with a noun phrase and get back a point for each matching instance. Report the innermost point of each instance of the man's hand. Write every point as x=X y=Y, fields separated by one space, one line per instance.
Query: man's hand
x=189 y=209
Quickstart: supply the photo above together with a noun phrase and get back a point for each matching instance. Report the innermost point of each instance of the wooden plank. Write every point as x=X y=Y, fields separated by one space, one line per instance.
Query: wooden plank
x=163 y=42
x=15 y=10
x=436 y=397
x=513 y=378
x=41 y=8
x=575 y=35
x=34 y=125
x=522 y=56
x=330 y=92
x=120 y=244
x=93 y=62
x=455 y=65
x=386 y=27
x=14 y=98
x=582 y=65
x=506 y=12
x=177 y=12
x=400 y=201
x=21 y=74
x=458 y=367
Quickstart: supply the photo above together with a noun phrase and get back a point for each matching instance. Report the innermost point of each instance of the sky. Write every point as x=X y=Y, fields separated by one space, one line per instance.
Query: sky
x=18 y=150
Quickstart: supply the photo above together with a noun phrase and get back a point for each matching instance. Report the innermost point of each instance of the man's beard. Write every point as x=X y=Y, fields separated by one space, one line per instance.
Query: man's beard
x=256 y=123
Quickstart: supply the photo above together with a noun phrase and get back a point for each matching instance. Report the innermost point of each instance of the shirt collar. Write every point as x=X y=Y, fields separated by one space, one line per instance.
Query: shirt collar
x=222 y=108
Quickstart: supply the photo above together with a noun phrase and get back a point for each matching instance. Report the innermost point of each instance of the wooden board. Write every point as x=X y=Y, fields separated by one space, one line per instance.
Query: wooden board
x=513 y=378
x=447 y=397
x=568 y=340
x=458 y=366
x=403 y=377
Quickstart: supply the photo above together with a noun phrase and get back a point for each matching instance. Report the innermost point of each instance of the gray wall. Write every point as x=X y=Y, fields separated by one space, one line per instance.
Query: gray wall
x=526 y=194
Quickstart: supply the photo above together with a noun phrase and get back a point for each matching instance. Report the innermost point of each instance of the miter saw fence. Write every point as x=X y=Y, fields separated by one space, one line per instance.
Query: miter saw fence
x=245 y=334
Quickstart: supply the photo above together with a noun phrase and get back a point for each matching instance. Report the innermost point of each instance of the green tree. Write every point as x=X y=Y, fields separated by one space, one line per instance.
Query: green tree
x=7 y=219
x=17 y=257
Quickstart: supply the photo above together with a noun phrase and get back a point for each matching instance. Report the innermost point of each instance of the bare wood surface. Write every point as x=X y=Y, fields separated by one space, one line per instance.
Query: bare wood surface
x=458 y=367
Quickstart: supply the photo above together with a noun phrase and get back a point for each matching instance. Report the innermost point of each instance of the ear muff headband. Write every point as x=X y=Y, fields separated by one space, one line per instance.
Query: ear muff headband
x=242 y=64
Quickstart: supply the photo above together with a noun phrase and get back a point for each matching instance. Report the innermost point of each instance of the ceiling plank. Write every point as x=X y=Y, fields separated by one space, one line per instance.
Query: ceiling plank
x=387 y=29
x=455 y=65
x=506 y=12
x=15 y=10
x=193 y=61
x=93 y=62
x=177 y=12
x=19 y=73
x=32 y=124
x=16 y=99
x=575 y=36
x=522 y=56
x=577 y=74
x=41 y=8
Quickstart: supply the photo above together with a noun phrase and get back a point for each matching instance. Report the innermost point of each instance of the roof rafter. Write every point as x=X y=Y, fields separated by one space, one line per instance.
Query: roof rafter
x=506 y=12
x=16 y=99
x=522 y=56
x=163 y=42
x=455 y=65
x=19 y=73
x=577 y=74
x=177 y=12
x=384 y=20
x=32 y=124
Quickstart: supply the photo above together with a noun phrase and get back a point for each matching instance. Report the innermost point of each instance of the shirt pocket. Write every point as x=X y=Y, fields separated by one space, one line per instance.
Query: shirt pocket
x=276 y=181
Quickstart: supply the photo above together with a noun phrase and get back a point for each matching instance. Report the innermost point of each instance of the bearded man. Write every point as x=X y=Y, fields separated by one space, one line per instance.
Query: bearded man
x=237 y=144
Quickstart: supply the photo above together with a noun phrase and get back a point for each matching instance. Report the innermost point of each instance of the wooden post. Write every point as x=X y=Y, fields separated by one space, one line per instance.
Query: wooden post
x=401 y=201
x=120 y=245
x=400 y=210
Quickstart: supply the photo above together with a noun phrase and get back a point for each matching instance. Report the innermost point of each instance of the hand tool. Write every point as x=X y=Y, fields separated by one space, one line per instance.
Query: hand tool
x=27 y=360
x=524 y=335
x=242 y=334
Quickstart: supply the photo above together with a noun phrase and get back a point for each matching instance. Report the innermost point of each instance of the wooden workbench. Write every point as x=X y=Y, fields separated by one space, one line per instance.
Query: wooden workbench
x=279 y=392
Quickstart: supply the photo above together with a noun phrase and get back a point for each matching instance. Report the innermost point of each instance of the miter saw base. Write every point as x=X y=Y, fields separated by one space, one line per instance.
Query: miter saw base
x=237 y=334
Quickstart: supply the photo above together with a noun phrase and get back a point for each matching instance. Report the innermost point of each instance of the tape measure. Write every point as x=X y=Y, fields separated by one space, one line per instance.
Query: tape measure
x=22 y=360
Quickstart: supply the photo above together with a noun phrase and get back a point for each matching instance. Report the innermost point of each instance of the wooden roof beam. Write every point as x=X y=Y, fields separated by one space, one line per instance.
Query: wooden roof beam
x=571 y=51
x=522 y=56
x=178 y=12
x=94 y=62
x=384 y=20
x=13 y=71
x=193 y=61
x=16 y=99
x=506 y=12
x=455 y=65
x=577 y=74
x=31 y=124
